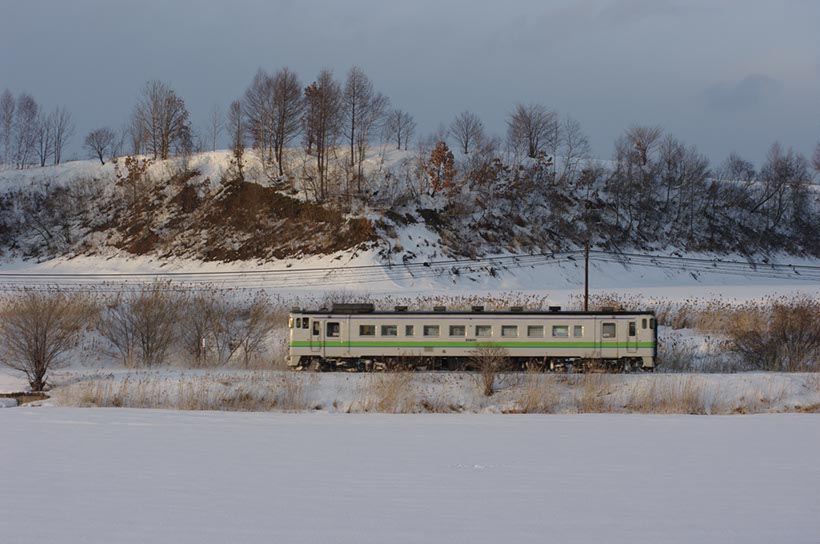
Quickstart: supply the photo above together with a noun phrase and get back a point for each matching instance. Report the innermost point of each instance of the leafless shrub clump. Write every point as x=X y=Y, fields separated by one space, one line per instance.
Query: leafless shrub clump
x=38 y=329
x=783 y=337
x=389 y=392
x=491 y=362
x=142 y=325
x=218 y=328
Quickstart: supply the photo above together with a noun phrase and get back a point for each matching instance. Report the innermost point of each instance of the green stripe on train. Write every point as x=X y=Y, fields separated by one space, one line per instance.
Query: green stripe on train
x=471 y=344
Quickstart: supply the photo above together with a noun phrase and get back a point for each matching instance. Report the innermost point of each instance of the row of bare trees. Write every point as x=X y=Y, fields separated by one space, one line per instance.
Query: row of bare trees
x=28 y=135
x=39 y=329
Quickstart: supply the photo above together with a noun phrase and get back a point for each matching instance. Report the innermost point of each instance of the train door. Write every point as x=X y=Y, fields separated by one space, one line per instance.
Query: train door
x=316 y=336
x=608 y=339
x=632 y=337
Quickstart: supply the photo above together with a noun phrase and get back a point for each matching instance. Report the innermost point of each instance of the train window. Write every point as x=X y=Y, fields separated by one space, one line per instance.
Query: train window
x=608 y=330
x=290 y=323
x=633 y=328
x=560 y=331
x=578 y=331
x=305 y=323
x=431 y=330
x=535 y=331
x=390 y=330
x=409 y=330
x=643 y=323
x=509 y=331
x=483 y=331
x=652 y=323
x=458 y=330
x=367 y=330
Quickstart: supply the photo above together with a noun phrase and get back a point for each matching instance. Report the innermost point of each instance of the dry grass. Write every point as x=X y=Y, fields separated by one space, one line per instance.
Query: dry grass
x=254 y=391
x=592 y=392
x=389 y=392
x=676 y=395
x=538 y=394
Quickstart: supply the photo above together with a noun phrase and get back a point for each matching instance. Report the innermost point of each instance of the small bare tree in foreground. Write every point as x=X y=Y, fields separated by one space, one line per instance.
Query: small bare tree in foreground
x=37 y=329
x=489 y=361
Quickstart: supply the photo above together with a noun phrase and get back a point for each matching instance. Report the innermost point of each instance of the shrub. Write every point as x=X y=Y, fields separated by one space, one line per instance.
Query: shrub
x=785 y=338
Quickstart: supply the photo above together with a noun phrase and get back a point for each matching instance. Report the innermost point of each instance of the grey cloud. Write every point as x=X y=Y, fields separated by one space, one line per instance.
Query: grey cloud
x=752 y=91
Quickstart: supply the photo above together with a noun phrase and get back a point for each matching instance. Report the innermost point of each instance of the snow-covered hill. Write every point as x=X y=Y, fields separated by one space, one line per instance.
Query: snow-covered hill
x=192 y=218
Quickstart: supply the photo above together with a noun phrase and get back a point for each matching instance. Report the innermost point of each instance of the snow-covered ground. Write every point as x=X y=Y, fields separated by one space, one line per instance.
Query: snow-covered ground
x=119 y=475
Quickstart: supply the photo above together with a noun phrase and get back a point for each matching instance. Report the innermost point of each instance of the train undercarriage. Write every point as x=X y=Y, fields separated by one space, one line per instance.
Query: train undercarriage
x=468 y=364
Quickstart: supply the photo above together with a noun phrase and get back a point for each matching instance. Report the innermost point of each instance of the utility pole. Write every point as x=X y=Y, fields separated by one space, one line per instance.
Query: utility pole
x=586 y=275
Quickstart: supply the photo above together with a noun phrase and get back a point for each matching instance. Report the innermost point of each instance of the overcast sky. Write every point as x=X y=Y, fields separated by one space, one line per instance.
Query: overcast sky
x=722 y=74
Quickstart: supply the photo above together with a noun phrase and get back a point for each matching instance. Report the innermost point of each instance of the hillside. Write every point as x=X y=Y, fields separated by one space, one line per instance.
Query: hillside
x=199 y=210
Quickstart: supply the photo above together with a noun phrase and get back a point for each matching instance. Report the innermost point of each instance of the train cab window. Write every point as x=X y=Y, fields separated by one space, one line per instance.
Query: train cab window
x=633 y=329
x=608 y=330
x=290 y=323
x=643 y=323
x=535 y=331
x=431 y=330
x=390 y=330
x=578 y=331
x=409 y=330
x=334 y=330
x=652 y=323
x=367 y=330
x=483 y=331
x=509 y=331
x=458 y=330
x=560 y=331
x=305 y=324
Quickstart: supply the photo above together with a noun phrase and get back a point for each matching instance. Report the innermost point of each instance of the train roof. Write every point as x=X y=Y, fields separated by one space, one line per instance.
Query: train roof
x=510 y=313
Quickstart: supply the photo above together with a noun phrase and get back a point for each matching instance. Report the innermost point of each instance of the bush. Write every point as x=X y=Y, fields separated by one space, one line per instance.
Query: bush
x=785 y=338
x=142 y=325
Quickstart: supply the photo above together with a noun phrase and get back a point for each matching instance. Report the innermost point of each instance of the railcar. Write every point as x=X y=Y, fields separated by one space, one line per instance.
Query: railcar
x=357 y=337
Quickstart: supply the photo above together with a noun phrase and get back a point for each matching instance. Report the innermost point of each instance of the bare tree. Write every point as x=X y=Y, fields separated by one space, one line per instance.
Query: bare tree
x=257 y=108
x=532 y=129
x=63 y=130
x=467 y=130
x=288 y=105
x=45 y=138
x=323 y=120
x=160 y=120
x=575 y=149
x=38 y=329
x=7 y=110
x=400 y=126
x=25 y=125
x=736 y=168
x=216 y=124
x=142 y=326
x=236 y=132
x=644 y=140
x=364 y=109
x=99 y=143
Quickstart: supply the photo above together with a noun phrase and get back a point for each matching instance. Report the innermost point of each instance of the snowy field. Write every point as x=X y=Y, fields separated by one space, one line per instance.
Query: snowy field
x=118 y=475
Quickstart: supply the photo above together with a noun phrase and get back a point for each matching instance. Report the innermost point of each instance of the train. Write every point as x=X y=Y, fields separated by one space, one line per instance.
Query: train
x=357 y=337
